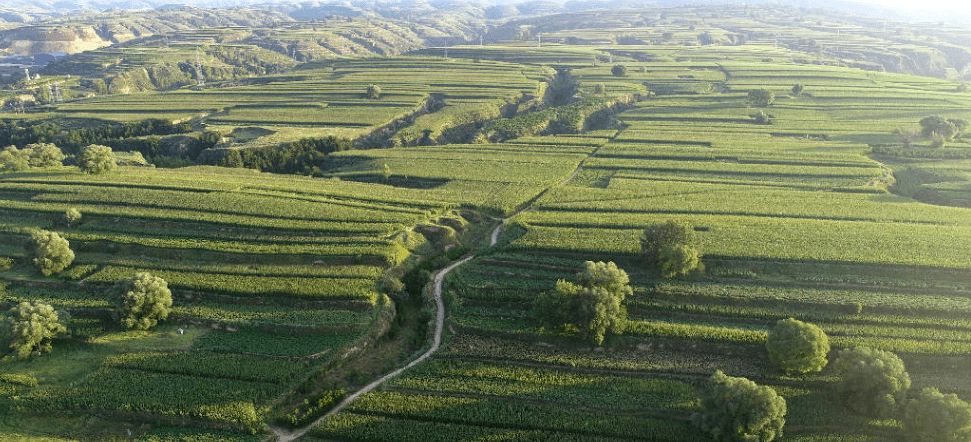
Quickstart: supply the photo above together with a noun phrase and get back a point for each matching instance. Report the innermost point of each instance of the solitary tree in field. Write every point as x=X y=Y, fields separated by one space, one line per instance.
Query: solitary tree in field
x=72 y=216
x=49 y=252
x=797 y=89
x=761 y=97
x=600 y=89
x=28 y=328
x=13 y=159
x=143 y=301
x=45 y=155
x=593 y=306
x=936 y=417
x=739 y=410
x=373 y=91
x=96 y=159
x=797 y=347
x=872 y=382
x=672 y=247
x=619 y=70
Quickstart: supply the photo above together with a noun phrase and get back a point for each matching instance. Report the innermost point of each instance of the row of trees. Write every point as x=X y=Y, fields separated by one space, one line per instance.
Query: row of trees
x=93 y=159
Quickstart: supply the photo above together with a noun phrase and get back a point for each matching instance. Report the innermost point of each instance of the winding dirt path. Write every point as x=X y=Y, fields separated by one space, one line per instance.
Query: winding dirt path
x=284 y=435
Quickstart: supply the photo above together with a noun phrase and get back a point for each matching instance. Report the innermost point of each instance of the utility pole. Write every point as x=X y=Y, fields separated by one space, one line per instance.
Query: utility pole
x=446 y=47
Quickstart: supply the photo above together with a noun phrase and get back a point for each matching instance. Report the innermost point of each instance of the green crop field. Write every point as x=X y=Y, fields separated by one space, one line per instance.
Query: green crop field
x=528 y=142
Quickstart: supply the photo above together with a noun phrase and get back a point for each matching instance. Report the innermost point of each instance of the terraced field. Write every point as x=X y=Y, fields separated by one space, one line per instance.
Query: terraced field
x=284 y=285
x=795 y=221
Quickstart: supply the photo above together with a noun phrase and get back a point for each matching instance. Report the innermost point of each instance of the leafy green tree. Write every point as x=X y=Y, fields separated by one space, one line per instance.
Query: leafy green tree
x=872 y=382
x=96 y=159
x=373 y=91
x=672 y=247
x=13 y=159
x=592 y=307
x=49 y=252
x=144 y=300
x=619 y=70
x=45 y=155
x=600 y=89
x=797 y=347
x=28 y=328
x=761 y=97
x=797 y=89
x=72 y=216
x=739 y=410
x=936 y=417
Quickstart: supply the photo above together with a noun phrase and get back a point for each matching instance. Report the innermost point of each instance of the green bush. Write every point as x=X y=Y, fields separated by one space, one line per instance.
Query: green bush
x=872 y=382
x=373 y=91
x=739 y=410
x=797 y=347
x=13 y=159
x=619 y=70
x=936 y=417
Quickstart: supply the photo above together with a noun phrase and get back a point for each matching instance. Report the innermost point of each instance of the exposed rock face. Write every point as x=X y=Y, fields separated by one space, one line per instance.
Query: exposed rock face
x=38 y=40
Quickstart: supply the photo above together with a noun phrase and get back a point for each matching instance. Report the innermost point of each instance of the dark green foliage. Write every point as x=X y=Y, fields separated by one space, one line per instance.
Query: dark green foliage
x=600 y=89
x=619 y=70
x=761 y=97
x=24 y=132
x=941 y=130
x=872 y=382
x=209 y=139
x=49 y=252
x=96 y=159
x=143 y=301
x=797 y=89
x=312 y=408
x=797 y=347
x=593 y=307
x=936 y=417
x=28 y=328
x=672 y=247
x=739 y=410
x=305 y=157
